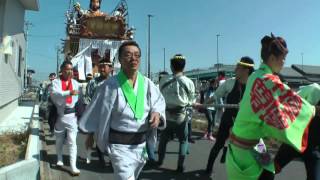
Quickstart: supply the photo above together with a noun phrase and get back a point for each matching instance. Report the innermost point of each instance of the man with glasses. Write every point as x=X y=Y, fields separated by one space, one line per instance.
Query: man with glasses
x=124 y=114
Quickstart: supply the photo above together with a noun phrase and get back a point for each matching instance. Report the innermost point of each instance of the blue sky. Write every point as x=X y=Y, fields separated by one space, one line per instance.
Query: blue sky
x=190 y=27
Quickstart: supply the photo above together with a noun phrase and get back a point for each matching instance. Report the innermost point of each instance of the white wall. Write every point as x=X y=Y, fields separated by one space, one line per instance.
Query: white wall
x=11 y=85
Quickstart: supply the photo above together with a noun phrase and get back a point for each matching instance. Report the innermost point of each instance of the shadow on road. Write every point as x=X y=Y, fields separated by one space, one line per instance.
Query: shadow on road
x=163 y=173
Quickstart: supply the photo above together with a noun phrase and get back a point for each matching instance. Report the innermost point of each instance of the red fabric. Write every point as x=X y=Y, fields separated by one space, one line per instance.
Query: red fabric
x=67 y=88
x=220 y=78
x=241 y=142
x=277 y=167
x=304 y=143
x=263 y=102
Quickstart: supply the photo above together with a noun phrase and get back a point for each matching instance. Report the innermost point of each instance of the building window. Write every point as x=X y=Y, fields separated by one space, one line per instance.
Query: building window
x=20 y=62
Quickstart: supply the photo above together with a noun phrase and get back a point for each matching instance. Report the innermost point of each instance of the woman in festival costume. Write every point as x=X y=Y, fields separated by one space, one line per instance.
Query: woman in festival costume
x=268 y=108
x=125 y=112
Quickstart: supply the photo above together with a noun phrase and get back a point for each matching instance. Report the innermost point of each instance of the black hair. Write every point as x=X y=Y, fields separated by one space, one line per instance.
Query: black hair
x=127 y=43
x=221 y=73
x=178 y=62
x=65 y=63
x=248 y=60
x=52 y=74
x=162 y=73
x=104 y=60
x=272 y=45
x=90 y=6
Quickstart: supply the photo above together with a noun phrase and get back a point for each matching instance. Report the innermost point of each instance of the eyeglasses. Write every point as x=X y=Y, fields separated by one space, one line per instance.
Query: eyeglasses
x=131 y=55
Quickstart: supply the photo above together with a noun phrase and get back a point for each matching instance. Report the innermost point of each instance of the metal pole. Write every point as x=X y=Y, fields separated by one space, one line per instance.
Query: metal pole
x=302 y=66
x=164 y=59
x=149 y=18
x=57 y=70
x=70 y=5
x=218 y=52
x=146 y=56
x=27 y=24
x=302 y=61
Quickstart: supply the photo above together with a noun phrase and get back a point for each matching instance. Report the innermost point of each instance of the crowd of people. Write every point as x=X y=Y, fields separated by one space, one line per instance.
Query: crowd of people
x=124 y=113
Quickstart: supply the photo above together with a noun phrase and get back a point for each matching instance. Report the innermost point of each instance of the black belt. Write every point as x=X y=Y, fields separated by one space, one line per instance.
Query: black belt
x=69 y=110
x=128 y=138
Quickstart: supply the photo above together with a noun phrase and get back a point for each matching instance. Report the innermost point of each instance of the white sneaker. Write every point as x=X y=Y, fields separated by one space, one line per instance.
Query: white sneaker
x=205 y=135
x=88 y=160
x=60 y=163
x=88 y=156
x=211 y=138
x=75 y=171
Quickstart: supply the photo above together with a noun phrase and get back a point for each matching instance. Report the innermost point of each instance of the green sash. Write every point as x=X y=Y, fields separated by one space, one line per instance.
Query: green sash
x=136 y=102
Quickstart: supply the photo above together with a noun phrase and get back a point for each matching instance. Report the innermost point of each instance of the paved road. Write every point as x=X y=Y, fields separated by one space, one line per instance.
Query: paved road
x=195 y=163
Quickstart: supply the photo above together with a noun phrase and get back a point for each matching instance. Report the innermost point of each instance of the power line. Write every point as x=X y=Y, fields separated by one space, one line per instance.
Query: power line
x=44 y=36
x=40 y=55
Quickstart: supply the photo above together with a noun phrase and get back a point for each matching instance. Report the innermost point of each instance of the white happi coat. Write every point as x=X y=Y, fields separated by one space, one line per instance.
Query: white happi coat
x=110 y=108
x=59 y=96
x=66 y=123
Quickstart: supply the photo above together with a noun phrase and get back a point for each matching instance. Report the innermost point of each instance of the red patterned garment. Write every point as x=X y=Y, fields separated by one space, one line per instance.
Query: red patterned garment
x=269 y=109
x=67 y=86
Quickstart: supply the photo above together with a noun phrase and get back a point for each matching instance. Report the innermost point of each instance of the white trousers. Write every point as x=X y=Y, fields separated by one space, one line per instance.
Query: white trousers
x=127 y=160
x=66 y=126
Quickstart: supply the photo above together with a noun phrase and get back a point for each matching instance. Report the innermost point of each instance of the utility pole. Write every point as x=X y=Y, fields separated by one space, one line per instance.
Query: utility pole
x=164 y=59
x=58 y=51
x=218 y=52
x=302 y=66
x=302 y=61
x=27 y=25
x=149 y=37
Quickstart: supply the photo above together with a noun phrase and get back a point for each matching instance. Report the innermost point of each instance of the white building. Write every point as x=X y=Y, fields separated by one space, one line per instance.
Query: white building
x=13 y=52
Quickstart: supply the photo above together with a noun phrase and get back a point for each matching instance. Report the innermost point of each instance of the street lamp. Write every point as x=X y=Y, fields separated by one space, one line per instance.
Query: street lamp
x=27 y=26
x=149 y=18
x=302 y=81
x=164 y=59
x=218 y=35
x=302 y=61
x=58 y=59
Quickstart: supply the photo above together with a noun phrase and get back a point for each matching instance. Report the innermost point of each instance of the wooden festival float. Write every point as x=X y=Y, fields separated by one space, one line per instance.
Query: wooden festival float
x=92 y=35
